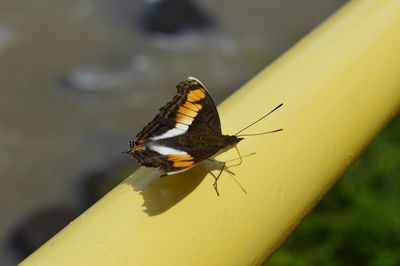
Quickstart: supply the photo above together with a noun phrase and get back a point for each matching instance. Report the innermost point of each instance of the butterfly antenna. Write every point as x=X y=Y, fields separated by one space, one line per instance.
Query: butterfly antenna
x=258 y=120
x=262 y=133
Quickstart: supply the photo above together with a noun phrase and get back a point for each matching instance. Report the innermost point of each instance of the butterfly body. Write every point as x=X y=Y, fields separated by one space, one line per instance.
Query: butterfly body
x=187 y=150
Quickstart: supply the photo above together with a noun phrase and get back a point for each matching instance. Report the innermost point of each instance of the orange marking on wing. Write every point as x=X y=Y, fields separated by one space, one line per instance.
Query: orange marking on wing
x=183 y=164
x=179 y=157
x=192 y=106
x=200 y=92
x=191 y=99
x=181 y=160
x=196 y=95
x=180 y=118
x=187 y=111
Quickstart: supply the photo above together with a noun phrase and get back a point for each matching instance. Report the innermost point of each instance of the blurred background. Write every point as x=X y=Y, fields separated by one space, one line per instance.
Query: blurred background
x=79 y=78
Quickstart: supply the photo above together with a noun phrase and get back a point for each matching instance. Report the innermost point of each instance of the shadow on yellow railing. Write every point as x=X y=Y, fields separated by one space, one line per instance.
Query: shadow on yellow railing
x=340 y=86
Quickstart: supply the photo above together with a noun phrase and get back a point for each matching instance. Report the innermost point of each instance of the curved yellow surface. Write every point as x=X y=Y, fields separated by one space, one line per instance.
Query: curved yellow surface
x=340 y=85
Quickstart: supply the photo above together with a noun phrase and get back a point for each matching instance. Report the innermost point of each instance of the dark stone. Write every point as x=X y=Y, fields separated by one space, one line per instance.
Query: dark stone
x=174 y=16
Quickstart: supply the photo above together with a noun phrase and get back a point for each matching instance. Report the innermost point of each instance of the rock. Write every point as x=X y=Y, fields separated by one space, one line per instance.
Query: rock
x=174 y=16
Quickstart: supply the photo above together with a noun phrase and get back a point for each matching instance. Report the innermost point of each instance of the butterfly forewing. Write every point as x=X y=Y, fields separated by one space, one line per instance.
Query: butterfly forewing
x=197 y=99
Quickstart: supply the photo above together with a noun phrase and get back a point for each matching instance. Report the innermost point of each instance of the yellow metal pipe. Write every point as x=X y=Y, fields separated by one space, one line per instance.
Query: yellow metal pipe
x=340 y=85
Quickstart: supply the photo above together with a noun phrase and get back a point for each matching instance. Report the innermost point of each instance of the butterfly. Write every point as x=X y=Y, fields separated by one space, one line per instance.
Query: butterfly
x=186 y=132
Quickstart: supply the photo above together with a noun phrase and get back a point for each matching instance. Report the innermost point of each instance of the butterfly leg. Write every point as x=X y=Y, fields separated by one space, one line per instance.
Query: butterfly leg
x=240 y=158
x=215 y=185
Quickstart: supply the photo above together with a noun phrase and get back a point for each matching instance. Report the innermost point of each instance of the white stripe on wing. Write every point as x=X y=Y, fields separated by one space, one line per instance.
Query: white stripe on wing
x=172 y=133
x=166 y=150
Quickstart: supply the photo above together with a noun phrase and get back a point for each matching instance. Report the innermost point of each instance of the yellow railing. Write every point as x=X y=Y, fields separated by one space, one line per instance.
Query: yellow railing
x=340 y=85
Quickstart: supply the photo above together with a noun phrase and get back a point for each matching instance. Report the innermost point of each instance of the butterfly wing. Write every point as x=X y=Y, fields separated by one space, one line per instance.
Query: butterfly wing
x=207 y=121
x=192 y=110
x=169 y=163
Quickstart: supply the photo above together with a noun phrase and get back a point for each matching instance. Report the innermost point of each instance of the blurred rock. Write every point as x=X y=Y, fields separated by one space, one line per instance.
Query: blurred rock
x=174 y=16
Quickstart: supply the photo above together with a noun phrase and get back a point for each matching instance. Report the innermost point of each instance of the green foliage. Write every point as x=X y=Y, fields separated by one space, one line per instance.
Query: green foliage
x=358 y=222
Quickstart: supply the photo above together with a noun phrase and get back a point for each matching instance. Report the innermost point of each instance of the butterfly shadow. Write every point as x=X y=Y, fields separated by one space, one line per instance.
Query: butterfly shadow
x=160 y=193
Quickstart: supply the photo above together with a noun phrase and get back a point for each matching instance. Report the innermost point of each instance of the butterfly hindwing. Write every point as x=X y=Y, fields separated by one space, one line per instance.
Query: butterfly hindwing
x=168 y=159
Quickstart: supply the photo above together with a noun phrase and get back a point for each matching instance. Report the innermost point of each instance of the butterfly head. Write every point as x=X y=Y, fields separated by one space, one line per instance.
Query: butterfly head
x=232 y=140
x=135 y=146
